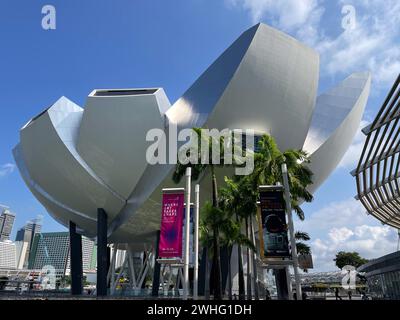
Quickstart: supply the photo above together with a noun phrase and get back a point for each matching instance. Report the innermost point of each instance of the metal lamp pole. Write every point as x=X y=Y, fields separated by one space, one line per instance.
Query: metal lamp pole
x=187 y=234
x=196 y=242
x=291 y=232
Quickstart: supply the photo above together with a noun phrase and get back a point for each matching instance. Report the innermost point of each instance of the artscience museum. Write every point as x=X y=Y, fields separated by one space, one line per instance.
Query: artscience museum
x=77 y=160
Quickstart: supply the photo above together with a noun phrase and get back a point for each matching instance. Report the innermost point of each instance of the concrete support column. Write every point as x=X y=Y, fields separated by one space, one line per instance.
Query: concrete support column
x=75 y=241
x=102 y=253
x=108 y=264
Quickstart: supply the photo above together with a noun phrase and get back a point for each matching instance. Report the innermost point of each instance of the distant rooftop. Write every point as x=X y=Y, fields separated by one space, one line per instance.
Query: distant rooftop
x=123 y=92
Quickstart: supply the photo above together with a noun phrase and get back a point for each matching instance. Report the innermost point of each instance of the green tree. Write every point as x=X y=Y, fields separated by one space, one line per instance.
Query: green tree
x=302 y=248
x=349 y=258
x=241 y=193
x=229 y=232
x=268 y=162
x=239 y=199
x=267 y=171
x=198 y=167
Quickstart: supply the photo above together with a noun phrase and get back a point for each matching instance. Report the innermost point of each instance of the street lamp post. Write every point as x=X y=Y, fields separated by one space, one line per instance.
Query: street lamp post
x=187 y=234
x=196 y=242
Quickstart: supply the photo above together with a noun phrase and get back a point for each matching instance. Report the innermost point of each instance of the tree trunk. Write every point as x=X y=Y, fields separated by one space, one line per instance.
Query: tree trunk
x=216 y=253
x=240 y=268
x=254 y=259
x=249 y=295
x=207 y=278
x=230 y=273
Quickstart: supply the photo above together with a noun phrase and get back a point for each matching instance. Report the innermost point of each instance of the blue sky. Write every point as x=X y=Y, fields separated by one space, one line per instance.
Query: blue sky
x=148 y=43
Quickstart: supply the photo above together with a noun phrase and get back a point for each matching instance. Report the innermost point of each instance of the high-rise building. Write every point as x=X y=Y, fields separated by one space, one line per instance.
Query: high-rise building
x=53 y=249
x=27 y=233
x=6 y=224
x=22 y=252
x=8 y=255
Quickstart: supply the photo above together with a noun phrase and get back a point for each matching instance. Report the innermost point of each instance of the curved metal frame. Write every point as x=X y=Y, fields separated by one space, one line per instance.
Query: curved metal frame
x=377 y=173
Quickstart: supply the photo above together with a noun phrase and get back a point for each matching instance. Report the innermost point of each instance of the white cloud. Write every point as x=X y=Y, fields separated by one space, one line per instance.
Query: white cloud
x=6 y=169
x=346 y=213
x=372 y=45
x=344 y=226
x=299 y=16
x=369 y=241
x=340 y=234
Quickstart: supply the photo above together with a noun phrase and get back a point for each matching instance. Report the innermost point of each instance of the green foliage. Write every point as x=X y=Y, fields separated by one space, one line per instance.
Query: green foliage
x=267 y=171
x=239 y=197
x=66 y=280
x=302 y=248
x=299 y=235
x=349 y=258
x=229 y=229
x=198 y=159
x=221 y=221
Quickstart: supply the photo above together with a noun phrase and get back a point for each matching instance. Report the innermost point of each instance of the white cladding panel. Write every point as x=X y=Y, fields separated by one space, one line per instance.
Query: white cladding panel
x=76 y=160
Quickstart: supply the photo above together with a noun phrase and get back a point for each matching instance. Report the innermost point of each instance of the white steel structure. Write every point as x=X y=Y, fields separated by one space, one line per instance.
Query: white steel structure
x=377 y=173
x=76 y=160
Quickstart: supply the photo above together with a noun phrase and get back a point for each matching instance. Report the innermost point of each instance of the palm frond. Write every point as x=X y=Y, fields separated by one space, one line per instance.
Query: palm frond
x=302 y=248
x=301 y=235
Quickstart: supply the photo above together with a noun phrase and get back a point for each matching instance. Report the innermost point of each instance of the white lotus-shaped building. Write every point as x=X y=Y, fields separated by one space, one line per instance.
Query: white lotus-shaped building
x=76 y=160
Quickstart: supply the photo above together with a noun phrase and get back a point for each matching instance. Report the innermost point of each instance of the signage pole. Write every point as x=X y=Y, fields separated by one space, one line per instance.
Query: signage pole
x=289 y=283
x=196 y=242
x=291 y=232
x=187 y=234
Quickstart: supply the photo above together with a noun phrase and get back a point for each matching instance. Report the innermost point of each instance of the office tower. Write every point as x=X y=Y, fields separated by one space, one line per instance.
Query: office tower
x=53 y=249
x=8 y=255
x=6 y=224
x=27 y=233
x=1 y=222
x=21 y=253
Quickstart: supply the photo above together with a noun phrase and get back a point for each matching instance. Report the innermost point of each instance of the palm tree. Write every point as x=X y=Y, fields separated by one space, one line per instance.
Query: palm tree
x=267 y=171
x=302 y=248
x=199 y=168
x=239 y=199
x=267 y=162
x=229 y=231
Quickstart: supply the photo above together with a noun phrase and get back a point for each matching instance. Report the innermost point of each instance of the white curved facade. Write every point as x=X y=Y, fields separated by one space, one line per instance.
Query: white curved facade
x=336 y=119
x=76 y=160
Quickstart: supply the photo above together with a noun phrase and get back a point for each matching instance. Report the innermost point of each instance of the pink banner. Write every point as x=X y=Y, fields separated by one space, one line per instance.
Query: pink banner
x=171 y=226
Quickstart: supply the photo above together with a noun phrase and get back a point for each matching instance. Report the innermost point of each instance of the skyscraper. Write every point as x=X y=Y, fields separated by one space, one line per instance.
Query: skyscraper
x=1 y=222
x=27 y=234
x=8 y=255
x=53 y=248
x=6 y=224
